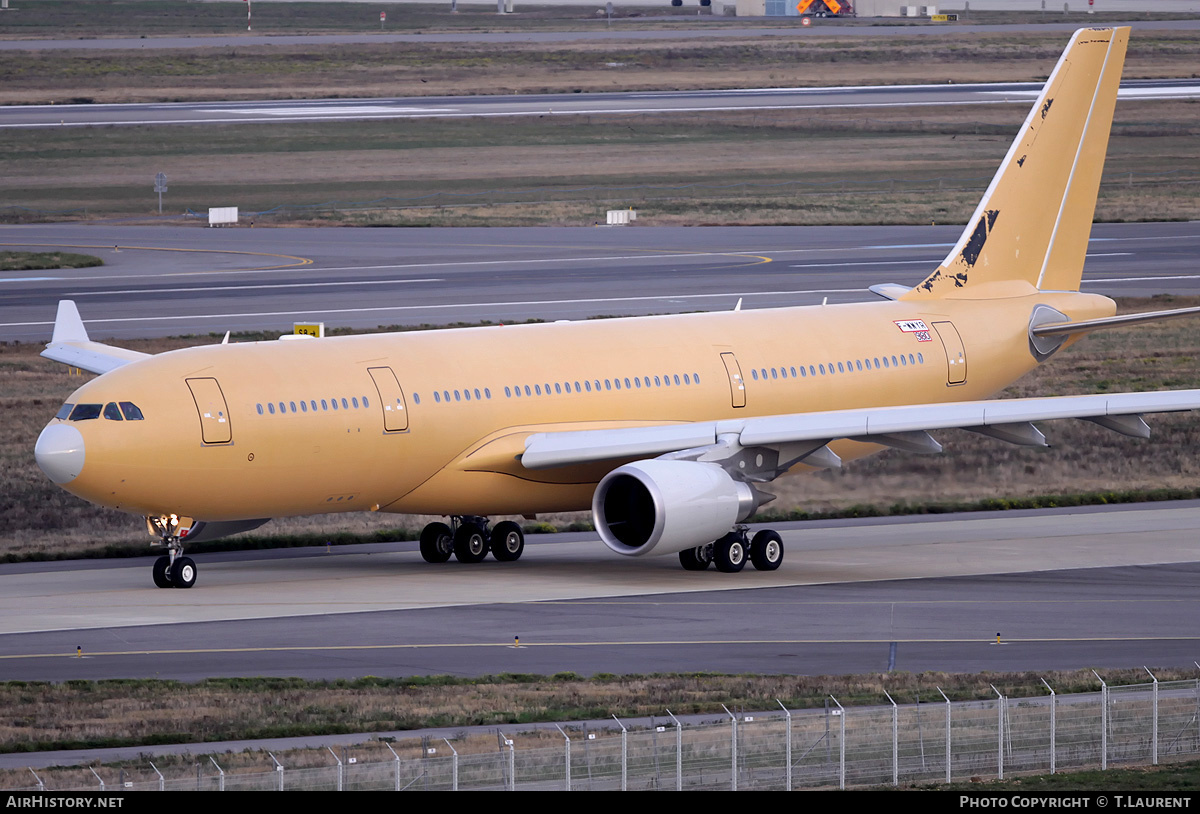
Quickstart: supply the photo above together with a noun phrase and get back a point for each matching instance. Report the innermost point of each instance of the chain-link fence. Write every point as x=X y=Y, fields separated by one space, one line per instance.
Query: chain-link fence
x=830 y=748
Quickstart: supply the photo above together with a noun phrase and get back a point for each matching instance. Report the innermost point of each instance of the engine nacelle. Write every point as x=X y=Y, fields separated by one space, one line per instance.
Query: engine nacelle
x=664 y=507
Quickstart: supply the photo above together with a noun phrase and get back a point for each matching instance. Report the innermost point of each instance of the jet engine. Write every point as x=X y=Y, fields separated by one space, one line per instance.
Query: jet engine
x=664 y=507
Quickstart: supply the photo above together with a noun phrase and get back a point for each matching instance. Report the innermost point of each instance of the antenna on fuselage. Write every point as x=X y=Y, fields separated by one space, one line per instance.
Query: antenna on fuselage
x=738 y=307
x=225 y=341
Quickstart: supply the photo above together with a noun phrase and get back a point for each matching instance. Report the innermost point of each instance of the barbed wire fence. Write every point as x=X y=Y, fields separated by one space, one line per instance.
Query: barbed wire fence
x=836 y=747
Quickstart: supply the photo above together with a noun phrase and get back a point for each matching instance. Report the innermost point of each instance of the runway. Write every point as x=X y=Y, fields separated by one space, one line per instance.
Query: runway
x=163 y=281
x=1063 y=589
x=563 y=104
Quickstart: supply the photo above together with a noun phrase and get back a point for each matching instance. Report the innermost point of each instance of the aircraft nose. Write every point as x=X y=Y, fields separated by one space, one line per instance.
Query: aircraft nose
x=59 y=452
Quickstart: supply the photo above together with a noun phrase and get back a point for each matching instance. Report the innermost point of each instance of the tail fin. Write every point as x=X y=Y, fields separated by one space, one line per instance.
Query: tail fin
x=1034 y=220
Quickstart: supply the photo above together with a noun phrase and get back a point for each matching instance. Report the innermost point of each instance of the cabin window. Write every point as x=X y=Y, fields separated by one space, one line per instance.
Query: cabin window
x=754 y=374
x=557 y=388
x=270 y=408
x=132 y=413
x=354 y=401
x=687 y=379
x=304 y=407
x=822 y=370
x=637 y=382
x=921 y=358
x=293 y=405
x=333 y=403
x=260 y=409
x=858 y=364
x=841 y=368
x=803 y=372
x=112 y=412
x=324 y=405
x=416 y=399
x=885 y=361
x=626 y=383
x=486 y=393
x=894 y=362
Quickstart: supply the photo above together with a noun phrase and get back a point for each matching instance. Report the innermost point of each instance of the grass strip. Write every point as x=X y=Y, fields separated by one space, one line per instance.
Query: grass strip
x=77 y=714
x=32 y=261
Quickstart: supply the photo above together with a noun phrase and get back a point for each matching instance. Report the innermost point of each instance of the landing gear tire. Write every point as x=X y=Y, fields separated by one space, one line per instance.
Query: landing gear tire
x=729 y=553
x=508 y=541
x=437 y=542
x=766 y=550
x=183 y=575
x=470 y=543
x=696 y=559
x=161 y=578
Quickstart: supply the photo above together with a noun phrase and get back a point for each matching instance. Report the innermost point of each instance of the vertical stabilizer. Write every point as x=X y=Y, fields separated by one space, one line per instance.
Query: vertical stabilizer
x=1035 y=218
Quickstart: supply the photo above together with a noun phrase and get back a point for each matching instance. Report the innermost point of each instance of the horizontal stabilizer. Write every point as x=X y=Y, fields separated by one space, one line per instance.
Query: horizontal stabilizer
x=1085 y=326
x=71 y=346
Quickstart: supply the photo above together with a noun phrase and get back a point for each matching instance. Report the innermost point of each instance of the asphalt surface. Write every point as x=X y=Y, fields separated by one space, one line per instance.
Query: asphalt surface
x=564 y=104
x=1063 y=589
x=164 y=281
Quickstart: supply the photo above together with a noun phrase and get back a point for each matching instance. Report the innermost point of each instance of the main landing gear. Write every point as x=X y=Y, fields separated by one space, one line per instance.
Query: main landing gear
x=764 y=550
x=469 y=539
x=172 y=570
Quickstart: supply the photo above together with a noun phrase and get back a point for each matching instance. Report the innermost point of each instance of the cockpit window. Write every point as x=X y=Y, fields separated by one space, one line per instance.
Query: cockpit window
x=131 y=411
x=64 y=411
x=111 y=412
x=83 y=412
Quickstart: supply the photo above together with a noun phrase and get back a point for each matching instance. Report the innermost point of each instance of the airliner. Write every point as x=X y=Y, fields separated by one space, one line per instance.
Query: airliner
x=669 y=428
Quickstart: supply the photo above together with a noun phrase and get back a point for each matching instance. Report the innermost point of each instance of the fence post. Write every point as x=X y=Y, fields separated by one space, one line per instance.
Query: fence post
x=567 y=738
x=948 y=708
x=1000 y=733
x=678 y=752
x=396 y=764
x=733 y=774
x=624 y=754
x=1104 y=722
x=788 y=747
x=278 y=773
x=453 y=766
x=895 y=740
x=162 y=783
x=512 y=762
x=841 y=713
x=1154 y=725
x=98 y=777
x=339 y=768
x=1053 y=726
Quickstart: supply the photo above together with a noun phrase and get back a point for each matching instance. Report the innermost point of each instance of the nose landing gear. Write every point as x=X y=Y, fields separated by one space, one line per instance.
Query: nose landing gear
x=172 y=570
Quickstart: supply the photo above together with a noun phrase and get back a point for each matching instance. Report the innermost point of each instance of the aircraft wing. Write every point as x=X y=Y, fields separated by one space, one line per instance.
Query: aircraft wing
x=71 y=346
x=803 y=436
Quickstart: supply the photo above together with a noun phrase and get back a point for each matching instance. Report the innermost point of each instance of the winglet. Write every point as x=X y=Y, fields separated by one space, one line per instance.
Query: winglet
x=68 y=326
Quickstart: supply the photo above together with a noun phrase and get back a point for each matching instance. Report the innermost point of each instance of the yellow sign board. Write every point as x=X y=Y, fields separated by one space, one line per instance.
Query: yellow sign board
x=944 y=18
x=316 y=329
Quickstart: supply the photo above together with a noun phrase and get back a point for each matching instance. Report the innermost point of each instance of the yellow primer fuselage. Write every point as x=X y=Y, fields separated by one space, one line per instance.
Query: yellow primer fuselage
x=459 y=453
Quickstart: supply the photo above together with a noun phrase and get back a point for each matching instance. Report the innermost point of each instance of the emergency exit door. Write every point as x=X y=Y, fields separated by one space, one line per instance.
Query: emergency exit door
x=214 y=413
x=956 y=354
x=737 y=385
x=391 y=399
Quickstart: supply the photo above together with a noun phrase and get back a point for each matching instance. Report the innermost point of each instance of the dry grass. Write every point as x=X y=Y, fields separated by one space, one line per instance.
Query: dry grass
x=766 y=167
x=36 y=716
x=437 y=69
